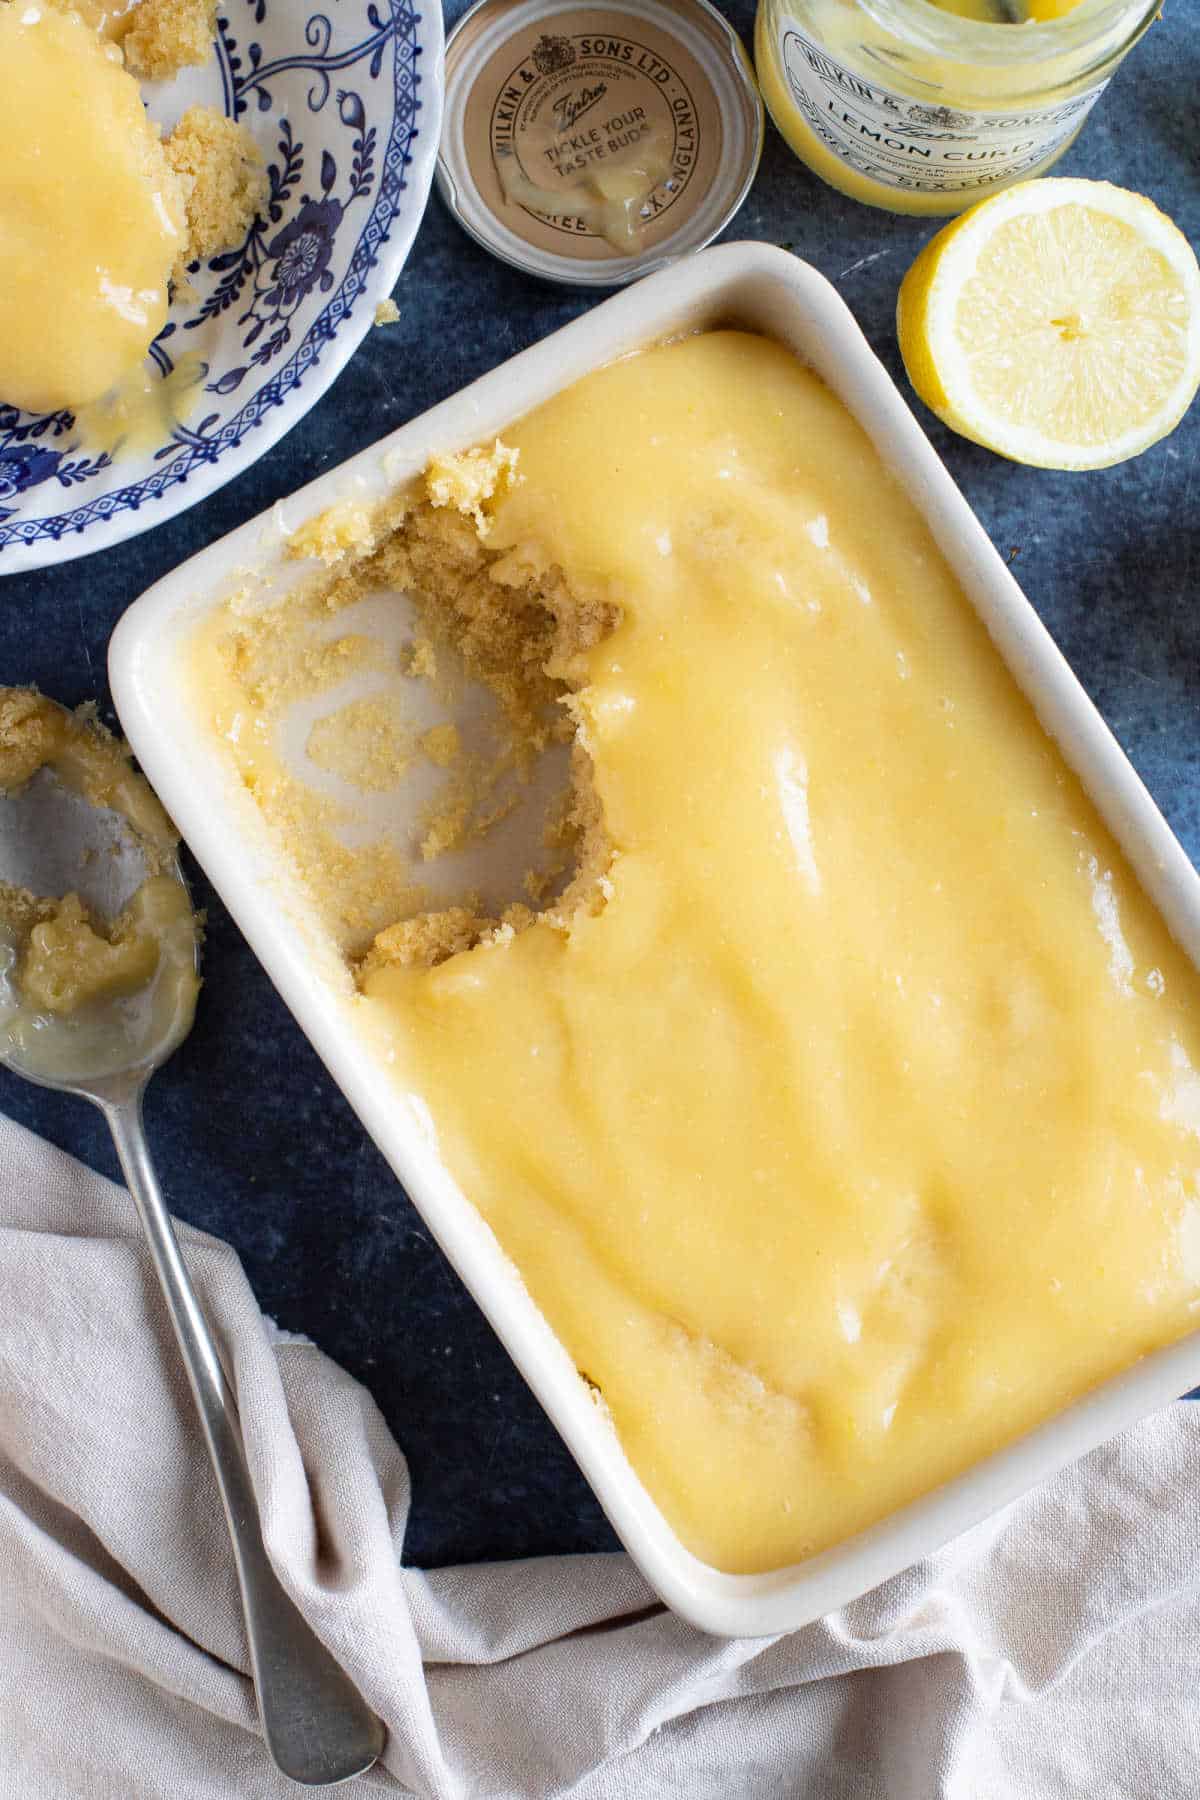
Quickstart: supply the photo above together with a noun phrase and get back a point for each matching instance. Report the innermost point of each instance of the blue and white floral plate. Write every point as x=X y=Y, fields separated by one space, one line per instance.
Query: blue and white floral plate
x=346 y=107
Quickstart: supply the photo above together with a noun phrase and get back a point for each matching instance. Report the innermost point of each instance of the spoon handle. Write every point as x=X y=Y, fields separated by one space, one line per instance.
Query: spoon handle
x=317 y=1726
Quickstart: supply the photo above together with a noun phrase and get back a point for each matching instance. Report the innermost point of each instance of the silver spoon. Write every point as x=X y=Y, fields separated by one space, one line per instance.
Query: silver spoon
x=317 y=1727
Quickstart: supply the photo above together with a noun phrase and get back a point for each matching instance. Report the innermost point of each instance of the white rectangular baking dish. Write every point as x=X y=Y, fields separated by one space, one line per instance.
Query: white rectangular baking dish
x=762 y=289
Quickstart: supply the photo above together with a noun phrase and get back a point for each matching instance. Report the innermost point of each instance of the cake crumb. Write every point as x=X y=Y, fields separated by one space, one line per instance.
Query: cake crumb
x=273 y=671
x=358 y=888
x=368 y=743
x=419 y=659
x=165 y=36
x=447 y=824
x=223 y=181
x=21 y=910
x=32 y=732
x=343 y=530
x=430 y=938
x=442 y=745
x=468 y=480
x=387 y=312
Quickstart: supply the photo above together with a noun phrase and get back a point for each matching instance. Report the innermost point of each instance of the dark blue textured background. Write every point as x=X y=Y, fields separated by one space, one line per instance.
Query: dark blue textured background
x=252 y=1139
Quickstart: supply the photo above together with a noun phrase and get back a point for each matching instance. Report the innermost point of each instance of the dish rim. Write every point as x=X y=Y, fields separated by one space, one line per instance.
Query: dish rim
x=764 y=288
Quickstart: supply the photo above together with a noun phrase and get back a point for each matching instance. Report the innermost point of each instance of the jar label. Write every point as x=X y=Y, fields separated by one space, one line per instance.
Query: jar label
x=913 y=144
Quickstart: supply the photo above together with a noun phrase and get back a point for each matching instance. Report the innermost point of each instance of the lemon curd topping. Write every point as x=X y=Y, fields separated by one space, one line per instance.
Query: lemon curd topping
x=1008 y=12
x=67 y=962
x=845 y=1123
x=100 y=219
x=610 y=200
x=158 y=38
x=91 y=216
x=110 y=19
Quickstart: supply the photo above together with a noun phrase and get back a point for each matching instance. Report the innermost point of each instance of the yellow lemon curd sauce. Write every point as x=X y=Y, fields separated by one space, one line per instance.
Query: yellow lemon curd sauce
x=993 y=12
x=91 y=215
x=858 y=1132
x=926 y=106
x=110 y=18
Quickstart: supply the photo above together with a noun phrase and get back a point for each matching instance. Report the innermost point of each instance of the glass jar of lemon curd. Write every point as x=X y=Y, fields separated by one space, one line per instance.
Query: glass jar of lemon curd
x=925 y=106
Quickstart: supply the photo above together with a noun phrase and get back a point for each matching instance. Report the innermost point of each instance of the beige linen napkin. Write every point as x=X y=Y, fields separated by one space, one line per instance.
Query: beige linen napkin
x=1050 y=1652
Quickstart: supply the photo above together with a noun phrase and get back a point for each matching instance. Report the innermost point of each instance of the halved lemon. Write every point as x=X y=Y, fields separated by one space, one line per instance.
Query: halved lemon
x=1057 y=323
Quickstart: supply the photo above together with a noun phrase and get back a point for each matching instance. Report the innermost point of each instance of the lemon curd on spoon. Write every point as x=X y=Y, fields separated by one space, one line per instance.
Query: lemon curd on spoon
x=843 y=1115
x=61 y=962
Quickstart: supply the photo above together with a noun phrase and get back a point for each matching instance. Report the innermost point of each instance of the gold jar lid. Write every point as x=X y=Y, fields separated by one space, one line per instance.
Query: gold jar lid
x=591 y=144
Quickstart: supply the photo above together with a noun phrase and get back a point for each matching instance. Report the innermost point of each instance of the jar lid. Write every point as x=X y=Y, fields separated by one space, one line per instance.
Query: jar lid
x=589 y=144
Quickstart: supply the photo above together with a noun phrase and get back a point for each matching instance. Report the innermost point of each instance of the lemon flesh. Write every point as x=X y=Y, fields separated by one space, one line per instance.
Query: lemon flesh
x=1057 y=323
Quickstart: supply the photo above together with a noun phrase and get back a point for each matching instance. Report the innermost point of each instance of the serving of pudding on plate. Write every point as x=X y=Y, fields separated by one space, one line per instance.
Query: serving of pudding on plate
x=830 y=1080
x=99 y=216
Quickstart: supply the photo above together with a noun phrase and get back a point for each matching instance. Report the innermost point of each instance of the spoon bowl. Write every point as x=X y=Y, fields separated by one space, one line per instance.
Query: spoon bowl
x=54 y=841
